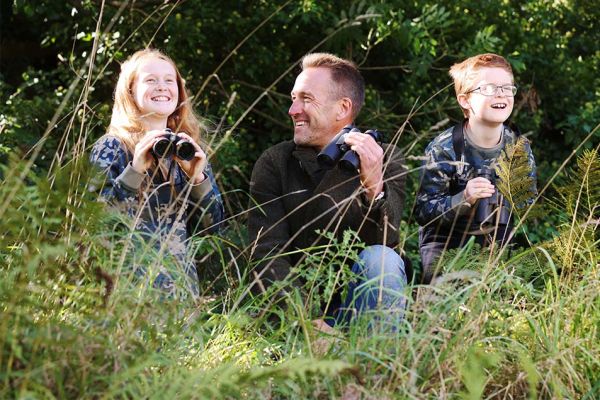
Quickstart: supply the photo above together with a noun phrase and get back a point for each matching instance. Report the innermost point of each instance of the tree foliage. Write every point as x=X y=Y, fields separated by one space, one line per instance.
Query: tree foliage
x=239 y=60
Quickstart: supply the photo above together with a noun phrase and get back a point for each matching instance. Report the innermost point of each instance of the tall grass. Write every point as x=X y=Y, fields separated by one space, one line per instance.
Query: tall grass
x=75 y=323
x=524 y=327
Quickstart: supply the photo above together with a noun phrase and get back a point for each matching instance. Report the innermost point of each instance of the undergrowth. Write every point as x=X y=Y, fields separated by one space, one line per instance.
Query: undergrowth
x=77 y=323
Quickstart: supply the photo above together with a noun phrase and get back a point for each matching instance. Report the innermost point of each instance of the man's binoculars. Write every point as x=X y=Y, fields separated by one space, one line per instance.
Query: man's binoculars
x=171 y=144
x=491 y=211
x=338 y=152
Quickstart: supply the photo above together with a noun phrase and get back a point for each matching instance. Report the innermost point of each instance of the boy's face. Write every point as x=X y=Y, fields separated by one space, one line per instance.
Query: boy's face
x=489 y=110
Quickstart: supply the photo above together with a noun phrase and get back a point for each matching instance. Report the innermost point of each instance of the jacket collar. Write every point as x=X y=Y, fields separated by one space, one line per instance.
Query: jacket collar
x=307 y=156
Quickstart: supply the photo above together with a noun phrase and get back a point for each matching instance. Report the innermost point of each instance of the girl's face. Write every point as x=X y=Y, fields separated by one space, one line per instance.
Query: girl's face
x=489 y=110
x=155 y=88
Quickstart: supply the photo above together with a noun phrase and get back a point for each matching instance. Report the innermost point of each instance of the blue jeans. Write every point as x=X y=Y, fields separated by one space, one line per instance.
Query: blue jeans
x=379 y=286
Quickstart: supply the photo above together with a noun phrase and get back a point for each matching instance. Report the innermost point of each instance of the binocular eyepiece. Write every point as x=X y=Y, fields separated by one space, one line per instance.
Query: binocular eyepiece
x=171 y=144
x=338 y=152
x=493 y=210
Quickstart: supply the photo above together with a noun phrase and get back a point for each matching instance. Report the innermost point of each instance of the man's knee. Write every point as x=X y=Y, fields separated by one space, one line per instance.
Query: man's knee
x=380 y=260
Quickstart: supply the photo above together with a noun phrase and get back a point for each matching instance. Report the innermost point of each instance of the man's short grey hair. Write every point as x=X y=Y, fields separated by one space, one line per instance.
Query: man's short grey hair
x=344 y=73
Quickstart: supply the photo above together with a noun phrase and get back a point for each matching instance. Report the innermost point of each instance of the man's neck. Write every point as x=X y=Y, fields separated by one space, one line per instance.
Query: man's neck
x=335 y=130
x=484 y=135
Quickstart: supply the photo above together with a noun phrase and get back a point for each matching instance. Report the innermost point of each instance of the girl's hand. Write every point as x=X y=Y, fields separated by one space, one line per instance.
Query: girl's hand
x=193 y=168
x=478 y=188
x=142 y=158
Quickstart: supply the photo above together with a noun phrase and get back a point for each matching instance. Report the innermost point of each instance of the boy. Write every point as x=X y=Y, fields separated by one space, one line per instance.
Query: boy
x=456 y=174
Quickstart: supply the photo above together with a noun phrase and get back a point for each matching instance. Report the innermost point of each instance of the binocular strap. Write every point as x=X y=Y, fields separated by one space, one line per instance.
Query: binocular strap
x=160 y=170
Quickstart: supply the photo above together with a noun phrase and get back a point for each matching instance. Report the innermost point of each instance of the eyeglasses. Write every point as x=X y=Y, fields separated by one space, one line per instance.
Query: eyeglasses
x=489 y=89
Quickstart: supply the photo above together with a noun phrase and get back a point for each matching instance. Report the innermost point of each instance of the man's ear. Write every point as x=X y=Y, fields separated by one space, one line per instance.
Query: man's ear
x=344 y=110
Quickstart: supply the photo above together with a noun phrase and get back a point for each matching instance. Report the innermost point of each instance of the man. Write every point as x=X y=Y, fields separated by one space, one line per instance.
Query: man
x=297 y=196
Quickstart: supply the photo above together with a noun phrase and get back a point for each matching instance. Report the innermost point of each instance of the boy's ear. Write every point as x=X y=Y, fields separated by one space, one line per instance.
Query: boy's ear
x=463 y=100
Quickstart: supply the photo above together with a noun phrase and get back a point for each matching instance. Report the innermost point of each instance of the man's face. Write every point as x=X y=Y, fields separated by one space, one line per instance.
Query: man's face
x=314 y=110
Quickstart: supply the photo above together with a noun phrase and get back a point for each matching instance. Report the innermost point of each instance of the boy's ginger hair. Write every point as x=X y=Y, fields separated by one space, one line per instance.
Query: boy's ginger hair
x=464 y=73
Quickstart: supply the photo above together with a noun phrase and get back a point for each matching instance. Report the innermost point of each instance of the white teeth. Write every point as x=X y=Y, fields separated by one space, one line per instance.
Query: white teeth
x=300 y=123
x=501 y=106
x=160 y=98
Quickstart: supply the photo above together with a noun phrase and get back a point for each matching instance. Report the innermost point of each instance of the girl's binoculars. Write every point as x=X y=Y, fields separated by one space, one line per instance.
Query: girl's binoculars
x=170 y=144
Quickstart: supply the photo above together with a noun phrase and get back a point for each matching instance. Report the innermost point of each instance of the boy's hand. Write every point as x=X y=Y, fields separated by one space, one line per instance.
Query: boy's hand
x=478 y=188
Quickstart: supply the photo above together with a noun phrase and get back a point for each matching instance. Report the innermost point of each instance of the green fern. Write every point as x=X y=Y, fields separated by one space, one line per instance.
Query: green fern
x=514 y=172
x=574 y=249
x=580 y=194
x=578 y=199
x=326 y=269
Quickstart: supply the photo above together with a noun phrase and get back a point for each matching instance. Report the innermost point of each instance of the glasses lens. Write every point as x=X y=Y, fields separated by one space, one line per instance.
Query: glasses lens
x=488 y=89
x=507 y=90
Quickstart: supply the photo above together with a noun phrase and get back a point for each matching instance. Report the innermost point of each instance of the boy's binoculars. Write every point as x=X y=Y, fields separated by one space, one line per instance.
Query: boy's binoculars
x=491 y=211
x=338 y=152
x=171 y=144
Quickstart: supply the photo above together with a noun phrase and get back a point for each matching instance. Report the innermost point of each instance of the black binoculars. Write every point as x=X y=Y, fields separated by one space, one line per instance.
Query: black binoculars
x=492 y=211
x=338 y=152
x=171 y=144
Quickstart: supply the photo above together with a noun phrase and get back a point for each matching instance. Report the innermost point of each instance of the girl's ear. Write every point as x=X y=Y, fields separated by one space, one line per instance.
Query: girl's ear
x=344 y=109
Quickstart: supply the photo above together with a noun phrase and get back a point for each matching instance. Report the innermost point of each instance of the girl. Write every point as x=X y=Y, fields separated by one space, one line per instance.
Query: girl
x=169 y=198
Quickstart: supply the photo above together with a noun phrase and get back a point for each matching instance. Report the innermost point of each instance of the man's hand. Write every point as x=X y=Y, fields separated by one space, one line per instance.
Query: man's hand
x=321 y=345
x=371 y=162
x=323 y=326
